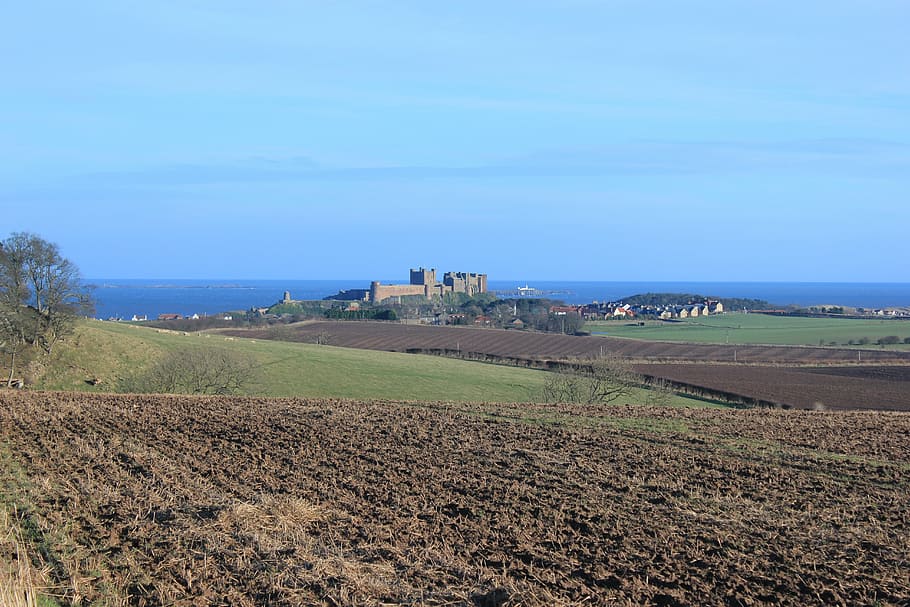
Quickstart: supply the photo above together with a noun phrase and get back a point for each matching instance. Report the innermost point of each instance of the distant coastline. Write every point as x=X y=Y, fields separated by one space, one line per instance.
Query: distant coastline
x=124 y=298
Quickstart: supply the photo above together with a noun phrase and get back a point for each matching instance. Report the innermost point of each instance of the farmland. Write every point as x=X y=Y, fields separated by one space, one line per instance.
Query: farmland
x=178 y=500
x=790 y=376
x=832 y=387
x=107 y=351
x=531 y=345
x=738 y=328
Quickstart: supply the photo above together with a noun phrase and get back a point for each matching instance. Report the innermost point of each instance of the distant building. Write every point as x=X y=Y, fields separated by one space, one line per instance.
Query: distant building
x=351 y=295
x=423 y=282
x=563 y=310
x=170 y=317
x=623 y=312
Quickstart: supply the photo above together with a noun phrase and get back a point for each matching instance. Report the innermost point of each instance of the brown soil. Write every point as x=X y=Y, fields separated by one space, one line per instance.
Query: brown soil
x=883 y=388
x=778 y=375
x=198 y=501
x=894 y=374
x=521 y=344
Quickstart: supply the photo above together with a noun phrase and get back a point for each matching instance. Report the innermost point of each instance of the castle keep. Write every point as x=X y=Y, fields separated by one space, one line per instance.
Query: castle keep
x=423 y=282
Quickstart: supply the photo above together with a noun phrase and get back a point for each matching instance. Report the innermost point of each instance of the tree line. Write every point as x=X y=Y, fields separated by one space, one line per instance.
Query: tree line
x=672 y=299
x=41 y=296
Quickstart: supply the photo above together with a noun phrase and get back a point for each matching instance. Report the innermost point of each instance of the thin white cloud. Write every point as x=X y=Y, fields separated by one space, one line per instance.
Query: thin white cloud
x=839 y=157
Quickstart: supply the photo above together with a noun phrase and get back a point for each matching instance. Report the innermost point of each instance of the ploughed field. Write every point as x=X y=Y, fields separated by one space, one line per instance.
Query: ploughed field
x=230 y=501
x=872 y=387
x=531 y=345
x=780 y=375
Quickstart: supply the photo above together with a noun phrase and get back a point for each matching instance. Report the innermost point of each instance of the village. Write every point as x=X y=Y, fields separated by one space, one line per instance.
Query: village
x=463 y=298
x=619 y=311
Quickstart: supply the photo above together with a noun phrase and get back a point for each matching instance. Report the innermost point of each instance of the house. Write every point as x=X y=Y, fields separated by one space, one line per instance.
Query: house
x=592 y=311
x=516 y=323
x=483 y=321
x=563 y=310
x=137 y=318
x=170 y=317
x=624 y=311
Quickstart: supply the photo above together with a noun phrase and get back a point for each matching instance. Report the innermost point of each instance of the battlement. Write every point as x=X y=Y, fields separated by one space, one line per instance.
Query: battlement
x=465 y=282
x=422 y=276
x=423 y=282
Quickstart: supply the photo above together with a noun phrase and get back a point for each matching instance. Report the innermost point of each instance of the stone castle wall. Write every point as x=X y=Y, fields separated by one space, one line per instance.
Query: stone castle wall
x=422 y=276
x=379 y=291
x=423 y=282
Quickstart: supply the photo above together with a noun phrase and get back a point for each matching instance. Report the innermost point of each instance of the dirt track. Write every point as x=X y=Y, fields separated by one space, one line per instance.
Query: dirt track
x=187 y=501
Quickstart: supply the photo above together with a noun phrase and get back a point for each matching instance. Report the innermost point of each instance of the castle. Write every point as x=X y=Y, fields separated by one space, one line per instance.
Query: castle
x=423 y=282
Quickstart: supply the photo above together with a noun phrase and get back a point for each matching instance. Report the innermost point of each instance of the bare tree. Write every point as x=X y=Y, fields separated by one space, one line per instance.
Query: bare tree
x=13 y=321
x=197 y=370
x=601 y=380
x=660 y=392
x=41 y=294
x=12 y=338
x=568 y=323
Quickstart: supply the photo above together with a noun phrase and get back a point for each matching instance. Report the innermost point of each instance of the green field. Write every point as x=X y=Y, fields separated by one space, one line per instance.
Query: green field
x=739 y=328
x=107 y=351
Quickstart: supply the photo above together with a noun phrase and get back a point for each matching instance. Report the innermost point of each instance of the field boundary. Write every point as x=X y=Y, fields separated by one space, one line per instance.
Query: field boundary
x=696 y=391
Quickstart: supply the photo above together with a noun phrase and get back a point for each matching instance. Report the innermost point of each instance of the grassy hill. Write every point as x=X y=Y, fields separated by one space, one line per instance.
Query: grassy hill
x=105 y=352
x=109 y=351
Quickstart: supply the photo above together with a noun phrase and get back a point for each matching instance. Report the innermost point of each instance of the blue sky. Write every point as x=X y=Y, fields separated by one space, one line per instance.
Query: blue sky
x=600 y=140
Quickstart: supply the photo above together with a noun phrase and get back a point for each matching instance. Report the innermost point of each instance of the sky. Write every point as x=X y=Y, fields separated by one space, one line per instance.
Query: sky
x=562 y=140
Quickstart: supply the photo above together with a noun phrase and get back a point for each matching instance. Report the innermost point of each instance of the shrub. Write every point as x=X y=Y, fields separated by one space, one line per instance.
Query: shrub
x=196 y=371
x=601 y=380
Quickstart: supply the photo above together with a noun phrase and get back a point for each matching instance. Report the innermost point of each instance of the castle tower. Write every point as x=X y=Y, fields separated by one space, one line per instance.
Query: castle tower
x=423 y=277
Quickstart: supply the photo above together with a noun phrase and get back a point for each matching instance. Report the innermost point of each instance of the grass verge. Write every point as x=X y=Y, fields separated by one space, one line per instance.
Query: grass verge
x=22 y=583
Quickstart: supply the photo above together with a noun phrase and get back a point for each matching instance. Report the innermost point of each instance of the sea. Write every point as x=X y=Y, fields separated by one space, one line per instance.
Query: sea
x=125 y=298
